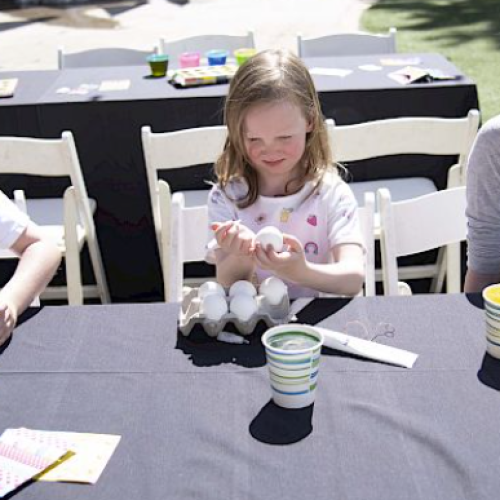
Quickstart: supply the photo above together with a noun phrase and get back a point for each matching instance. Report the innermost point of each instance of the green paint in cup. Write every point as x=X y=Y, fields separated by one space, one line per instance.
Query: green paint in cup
x=158 y=64
x=243 y=55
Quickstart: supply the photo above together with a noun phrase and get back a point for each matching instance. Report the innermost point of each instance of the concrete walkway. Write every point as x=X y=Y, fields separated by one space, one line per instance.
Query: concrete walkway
x=29 y=37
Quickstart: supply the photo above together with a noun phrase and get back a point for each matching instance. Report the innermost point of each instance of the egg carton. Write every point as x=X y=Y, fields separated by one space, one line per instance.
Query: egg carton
x=190 y=315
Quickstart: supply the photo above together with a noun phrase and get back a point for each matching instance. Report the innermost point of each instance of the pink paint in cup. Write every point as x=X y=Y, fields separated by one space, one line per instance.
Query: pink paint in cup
x=189 y=59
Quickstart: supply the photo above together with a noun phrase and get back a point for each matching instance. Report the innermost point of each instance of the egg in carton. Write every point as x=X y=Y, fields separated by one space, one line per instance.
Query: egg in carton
x=192 y=314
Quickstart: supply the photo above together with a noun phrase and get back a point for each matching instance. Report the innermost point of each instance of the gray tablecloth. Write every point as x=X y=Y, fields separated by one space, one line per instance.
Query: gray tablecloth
x=196 y=418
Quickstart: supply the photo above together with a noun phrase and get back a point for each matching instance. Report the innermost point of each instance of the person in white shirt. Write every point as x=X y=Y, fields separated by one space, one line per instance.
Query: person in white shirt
x=39 y=259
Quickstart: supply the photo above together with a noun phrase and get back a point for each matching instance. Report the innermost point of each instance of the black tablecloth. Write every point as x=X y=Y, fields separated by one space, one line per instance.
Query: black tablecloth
x=195 y=415
x=107 y=127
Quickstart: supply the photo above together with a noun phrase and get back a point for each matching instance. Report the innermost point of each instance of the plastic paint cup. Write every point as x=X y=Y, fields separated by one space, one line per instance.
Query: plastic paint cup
x=293 y=353
x=216 y=57
x=158 y=64
x=243 y=55
x=189 y=59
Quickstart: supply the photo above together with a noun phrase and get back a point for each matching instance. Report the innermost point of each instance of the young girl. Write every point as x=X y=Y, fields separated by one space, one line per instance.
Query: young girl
x=276 y=170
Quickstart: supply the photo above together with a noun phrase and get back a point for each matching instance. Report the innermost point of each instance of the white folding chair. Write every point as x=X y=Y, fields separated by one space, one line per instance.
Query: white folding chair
x=173 y=150
x=185 y=233
x=110 y=56
x=347 y=44
x=366 y=215
x=401 y=136
x=69 y=221
x=204 y=43
x=420 y=224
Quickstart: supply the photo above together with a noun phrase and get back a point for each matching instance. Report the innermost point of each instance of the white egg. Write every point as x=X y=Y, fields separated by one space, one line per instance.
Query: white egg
x=242 y=287
x=213 y=306
x=243 y=306
x=273 y=289
x=272 y=236
x=210 y=288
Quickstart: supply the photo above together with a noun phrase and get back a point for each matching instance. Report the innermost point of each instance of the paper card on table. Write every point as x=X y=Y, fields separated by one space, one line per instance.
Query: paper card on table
x=23 y=459
x=113 y=85
x=91 y=454
x=400 y=61
x=7 y=87
x=439 y=74
x=409 y=74
x=330 y=71
x=370 y=67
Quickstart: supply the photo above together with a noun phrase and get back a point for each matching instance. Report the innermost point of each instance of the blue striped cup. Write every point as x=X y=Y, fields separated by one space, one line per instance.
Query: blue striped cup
x=293 y=353
x=491 y=297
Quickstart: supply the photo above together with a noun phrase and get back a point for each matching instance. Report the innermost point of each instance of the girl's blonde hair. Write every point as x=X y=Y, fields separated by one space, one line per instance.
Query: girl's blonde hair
x=271 y=76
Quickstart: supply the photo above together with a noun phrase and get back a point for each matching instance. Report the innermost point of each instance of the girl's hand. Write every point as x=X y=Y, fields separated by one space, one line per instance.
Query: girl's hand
x=234 y=238
x=8 y=320
x=290 y=265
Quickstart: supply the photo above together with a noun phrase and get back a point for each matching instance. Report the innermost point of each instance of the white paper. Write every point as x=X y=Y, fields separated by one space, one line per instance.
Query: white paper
x=112 y=85
x=367 y=348
x=330 y=71
x=370 y=67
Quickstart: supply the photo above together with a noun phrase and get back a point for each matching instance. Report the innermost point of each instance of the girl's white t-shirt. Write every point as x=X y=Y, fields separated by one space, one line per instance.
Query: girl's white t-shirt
x=12 y=222
x=320 y=221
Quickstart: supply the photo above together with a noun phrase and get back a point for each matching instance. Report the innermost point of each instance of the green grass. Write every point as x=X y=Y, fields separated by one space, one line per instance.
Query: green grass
x=467 y=32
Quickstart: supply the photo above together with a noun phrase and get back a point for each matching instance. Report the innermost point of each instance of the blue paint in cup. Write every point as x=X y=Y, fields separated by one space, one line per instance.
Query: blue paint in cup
x=216 y=57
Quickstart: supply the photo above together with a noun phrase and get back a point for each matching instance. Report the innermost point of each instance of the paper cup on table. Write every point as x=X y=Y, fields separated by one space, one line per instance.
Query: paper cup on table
x=293 y=353
x=491 y=297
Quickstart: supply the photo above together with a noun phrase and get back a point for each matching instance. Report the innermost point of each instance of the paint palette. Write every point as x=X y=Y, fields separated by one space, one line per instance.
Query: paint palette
x=203 y=75
x=191 y=315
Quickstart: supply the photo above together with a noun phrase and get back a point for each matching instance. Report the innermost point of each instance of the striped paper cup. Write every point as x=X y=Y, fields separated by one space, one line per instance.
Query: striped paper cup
x=293 y=353
x=491 y=297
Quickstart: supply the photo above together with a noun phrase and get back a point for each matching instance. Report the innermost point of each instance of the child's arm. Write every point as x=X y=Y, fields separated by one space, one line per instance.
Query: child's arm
x=39 y=258
x=234 y=256
x=345 y=276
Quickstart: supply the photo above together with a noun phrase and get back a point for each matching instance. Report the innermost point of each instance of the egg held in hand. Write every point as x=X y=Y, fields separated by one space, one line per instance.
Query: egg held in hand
x=270 y=236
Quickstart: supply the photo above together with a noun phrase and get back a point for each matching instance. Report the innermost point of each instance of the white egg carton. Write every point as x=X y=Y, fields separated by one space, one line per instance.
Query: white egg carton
x=190 y=315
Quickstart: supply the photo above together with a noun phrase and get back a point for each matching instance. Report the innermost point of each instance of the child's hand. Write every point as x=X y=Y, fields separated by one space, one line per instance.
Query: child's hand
x=8 y=320
x=234 y=238
x=290 y=265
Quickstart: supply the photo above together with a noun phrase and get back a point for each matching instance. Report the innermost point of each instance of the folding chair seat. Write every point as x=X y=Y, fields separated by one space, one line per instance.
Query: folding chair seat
x=69 y=220
x=420 y=224
x=347 y=44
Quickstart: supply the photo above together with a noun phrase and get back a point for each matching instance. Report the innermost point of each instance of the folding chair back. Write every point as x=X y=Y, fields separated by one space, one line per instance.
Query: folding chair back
x=204 y=43
x=347 y=44
x=69 y=220
x=417 y=225
x=111 y=56
x=366 y=215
